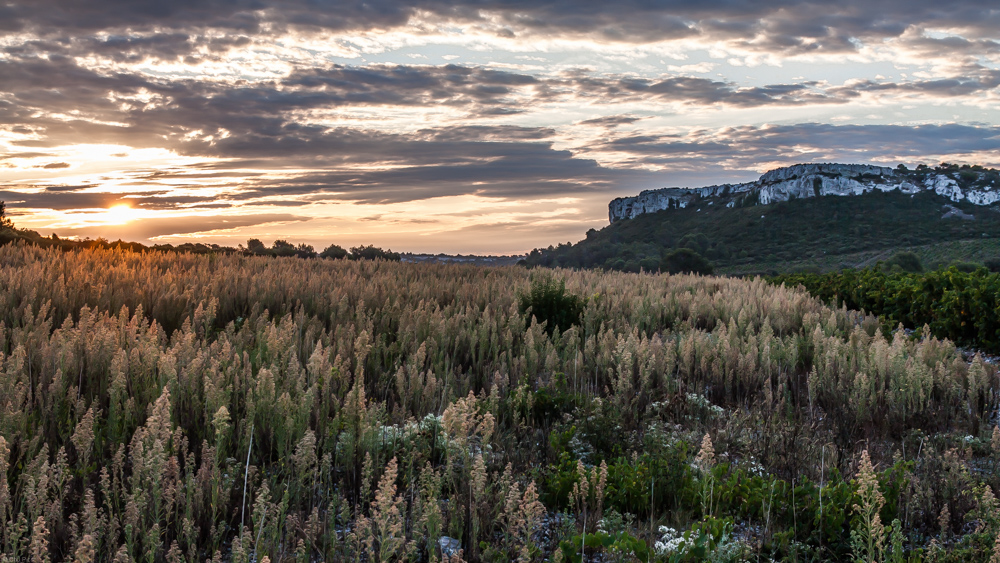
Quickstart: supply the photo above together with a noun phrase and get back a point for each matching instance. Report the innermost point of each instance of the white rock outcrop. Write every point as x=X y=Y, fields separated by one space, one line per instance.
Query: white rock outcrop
x=805 y=180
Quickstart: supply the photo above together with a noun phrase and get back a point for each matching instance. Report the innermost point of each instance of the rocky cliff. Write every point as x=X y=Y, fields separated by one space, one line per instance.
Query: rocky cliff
x=973 y=184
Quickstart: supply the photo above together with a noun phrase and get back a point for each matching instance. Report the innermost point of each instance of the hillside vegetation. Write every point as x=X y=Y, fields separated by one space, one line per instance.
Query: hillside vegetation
x=823 y=233
x=178 y=407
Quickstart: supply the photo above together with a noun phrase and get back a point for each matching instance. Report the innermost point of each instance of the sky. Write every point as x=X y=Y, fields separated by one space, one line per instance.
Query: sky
x=486 y=127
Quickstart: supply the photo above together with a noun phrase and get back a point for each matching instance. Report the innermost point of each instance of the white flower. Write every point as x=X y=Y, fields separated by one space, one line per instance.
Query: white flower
x=670 y=541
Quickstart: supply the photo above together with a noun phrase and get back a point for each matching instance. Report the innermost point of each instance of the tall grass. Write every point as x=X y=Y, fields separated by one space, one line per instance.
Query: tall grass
x=173 y=407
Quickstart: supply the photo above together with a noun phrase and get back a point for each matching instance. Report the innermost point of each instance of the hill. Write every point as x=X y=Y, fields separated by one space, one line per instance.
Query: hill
x=742 y=236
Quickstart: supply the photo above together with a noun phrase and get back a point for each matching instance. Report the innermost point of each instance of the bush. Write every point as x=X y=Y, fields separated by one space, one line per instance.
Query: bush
x=548 y=302
x=965 y=267
x=956 y=303
x=907 y=262
x=686 y=260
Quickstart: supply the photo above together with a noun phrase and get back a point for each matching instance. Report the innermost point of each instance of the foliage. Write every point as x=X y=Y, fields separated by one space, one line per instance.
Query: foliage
x=548 y=302
x=279 y=248
x=5 y=222
x=334 y=252
x=685 y=261
x=372 y=252
x=961 y=306
x=906 y=261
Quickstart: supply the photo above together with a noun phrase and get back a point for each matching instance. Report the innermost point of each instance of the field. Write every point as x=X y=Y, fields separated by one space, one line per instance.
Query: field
x=179 y=407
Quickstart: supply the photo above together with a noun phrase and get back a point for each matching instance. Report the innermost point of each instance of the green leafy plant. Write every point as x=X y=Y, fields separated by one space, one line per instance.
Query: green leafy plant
x=548 y=301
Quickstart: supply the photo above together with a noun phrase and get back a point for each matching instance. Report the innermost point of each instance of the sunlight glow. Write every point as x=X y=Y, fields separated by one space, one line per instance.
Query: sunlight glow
x=119 y=215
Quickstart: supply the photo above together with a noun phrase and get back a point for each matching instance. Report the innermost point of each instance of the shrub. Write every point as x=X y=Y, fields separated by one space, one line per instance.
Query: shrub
x=549 y=303
x=907 y=262
x=685 y=260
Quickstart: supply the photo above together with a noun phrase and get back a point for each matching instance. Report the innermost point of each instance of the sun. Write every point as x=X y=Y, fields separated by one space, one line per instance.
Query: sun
x=119 y=214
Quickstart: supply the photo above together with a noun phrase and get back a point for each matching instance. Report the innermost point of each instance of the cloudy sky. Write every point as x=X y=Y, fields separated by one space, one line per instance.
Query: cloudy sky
x=480 y=127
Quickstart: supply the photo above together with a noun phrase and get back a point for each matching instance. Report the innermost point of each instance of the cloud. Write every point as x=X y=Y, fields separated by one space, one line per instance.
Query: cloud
x=611 y=121
x=71 y=197
x=777 y=26
x=750 y=147
x=149 y=229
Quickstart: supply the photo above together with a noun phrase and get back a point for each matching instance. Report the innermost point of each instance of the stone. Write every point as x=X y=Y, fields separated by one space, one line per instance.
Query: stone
x=449 y=546
x=803 y=181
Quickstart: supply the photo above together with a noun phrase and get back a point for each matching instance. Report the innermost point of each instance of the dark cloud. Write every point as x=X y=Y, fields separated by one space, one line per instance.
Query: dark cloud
x=64 y=198
x=60 y=198
x=781 y=26
x=62 y=102
x=702 y=91
x=611 y=121
x=435 y=169
x=746 y=147
x=977 y=79
x=166 y=226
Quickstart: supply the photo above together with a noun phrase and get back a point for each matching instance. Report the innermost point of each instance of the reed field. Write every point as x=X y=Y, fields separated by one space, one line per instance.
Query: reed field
x=176 y=407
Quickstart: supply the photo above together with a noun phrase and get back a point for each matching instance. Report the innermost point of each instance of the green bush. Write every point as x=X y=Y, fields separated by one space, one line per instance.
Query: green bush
x=906 y=261
x=549 y=303
x=962 y=306
x=685 y=260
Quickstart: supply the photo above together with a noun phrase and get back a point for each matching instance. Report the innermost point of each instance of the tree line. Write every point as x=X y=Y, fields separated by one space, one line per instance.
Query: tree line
x=10 y=233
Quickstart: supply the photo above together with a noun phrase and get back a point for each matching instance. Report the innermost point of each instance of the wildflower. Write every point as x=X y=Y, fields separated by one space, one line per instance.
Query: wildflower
x=83 y=437
x=705 y=459
x=669 y=543
x=39 y=541
x=868 y=541
x=387 y=515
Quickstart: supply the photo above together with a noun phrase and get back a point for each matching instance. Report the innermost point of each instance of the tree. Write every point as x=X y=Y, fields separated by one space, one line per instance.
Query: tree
x=372 y=252
x=283 y=248
x=5 y=222
x=305 y=251
x=333 y=251
x=254 y=246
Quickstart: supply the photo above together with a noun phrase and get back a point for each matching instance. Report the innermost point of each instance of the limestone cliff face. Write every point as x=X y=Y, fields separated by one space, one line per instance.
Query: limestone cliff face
x=812 y=180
